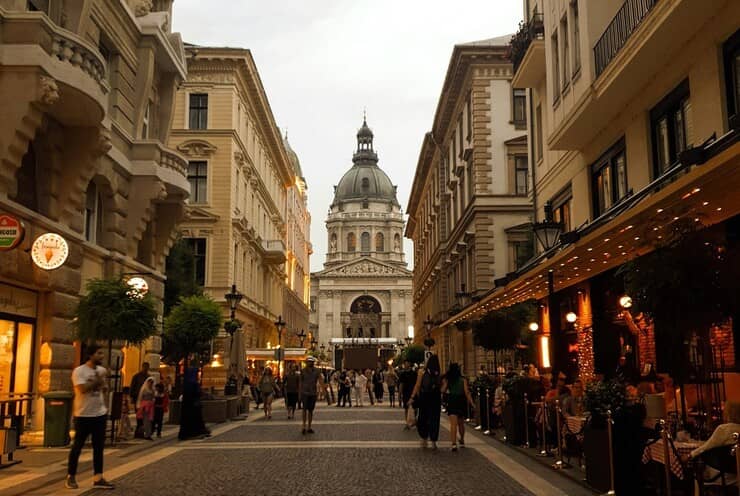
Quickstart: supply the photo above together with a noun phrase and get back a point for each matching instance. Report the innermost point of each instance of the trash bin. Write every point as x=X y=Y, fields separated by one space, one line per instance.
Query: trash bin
x=57 y=414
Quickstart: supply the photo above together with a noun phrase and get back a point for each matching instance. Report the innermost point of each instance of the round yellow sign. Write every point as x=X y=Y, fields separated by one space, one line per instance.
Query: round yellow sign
x=49 y=251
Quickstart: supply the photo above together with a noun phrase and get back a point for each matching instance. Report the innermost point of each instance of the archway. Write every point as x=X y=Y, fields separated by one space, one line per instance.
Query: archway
x=364 y=318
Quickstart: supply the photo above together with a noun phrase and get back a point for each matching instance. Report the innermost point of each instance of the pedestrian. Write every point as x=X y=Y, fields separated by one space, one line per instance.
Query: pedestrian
x=191 y=415
x=161 y=406
x=292 y=380
x=458 y=398
x=145 y=407
x=311 y=382
x=124 y=427
x=369 y=388
x=407 y=381
x=267 y=389
x=378 y=385
x=391 y=379
x=359 y=388
x=90 y=414
x=428 y=398
x=136 y=382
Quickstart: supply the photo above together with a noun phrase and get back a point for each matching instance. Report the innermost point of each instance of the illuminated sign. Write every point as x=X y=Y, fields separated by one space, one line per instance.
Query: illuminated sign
x=139 y=286
x=49 y=251
x=11 y=232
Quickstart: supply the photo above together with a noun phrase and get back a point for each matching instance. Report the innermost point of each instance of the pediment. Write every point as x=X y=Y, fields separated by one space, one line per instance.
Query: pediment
x=199 y=214
x=365 y=267
x=196 y=148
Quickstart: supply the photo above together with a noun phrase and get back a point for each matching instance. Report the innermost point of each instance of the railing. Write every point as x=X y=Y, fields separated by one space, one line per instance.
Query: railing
x=532 y=30
x=629 y=16
x=15 y=412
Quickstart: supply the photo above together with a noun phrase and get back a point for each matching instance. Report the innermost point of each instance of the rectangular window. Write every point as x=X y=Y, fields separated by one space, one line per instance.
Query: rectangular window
x=460 y=134
x=731 y=56
x=198 y=178
x=609 y=178
x=576 y=38
x=198 y=247
x=521 y=175
x=538 y=132
x=520 y=108
x=555 y=67
x=670 y=122
x=561 y=208
x=198 y=111
x=565 y=54
x=469 y=109
x=521 y=250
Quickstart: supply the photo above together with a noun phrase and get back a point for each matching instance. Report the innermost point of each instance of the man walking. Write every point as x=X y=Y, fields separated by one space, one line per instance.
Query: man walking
x=137 y=381
x=310 y=381
x=90 y=415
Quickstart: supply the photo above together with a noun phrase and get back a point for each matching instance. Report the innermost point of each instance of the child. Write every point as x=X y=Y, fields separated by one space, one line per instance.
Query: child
x=124 y=428
x=161 y=406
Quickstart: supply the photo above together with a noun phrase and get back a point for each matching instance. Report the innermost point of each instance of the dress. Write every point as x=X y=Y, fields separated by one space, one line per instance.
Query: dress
x=430 y=406
x=456 y=401
x=191 y=416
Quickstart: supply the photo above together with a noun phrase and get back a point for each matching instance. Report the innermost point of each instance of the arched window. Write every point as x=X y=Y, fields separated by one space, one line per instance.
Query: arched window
x=351 y=242
x=365 y=185
x=365 y=242
x=379 y=242
x=396 y=243
x=93 y=214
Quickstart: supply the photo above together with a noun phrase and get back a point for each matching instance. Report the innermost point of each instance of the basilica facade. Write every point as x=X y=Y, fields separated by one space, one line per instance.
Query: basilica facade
x=364 y=293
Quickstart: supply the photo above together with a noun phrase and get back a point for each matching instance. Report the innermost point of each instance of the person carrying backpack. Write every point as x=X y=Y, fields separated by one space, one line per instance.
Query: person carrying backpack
x=429 y=400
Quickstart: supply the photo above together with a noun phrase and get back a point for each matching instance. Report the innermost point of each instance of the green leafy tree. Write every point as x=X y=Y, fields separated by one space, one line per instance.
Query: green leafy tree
x=112 y=310
x=191 y=325
x=413 y=353
x=505 y=328
x=180 y=270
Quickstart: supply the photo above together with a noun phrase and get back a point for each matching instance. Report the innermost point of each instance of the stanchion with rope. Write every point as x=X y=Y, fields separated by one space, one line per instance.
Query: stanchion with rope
x=478 y=395
x=526 y=421
x=559 y=463
x=611 y=491
x=489 y=429
x=544 y=451
x=736 y=451
x=664 y=435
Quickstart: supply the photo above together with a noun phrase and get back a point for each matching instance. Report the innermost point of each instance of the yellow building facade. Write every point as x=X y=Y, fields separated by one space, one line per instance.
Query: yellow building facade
x=88 y=92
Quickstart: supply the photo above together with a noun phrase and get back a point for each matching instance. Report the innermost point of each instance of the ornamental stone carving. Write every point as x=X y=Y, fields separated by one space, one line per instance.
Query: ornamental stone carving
x=365 y=268
x=48 y=90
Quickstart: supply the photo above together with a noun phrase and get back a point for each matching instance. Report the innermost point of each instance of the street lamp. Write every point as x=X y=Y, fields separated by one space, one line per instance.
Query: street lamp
x=428 y=340
x=280 y=327
x=313 y=342
x=408 y=340
x=232 y=298
x=301 y=336
x=548 y=231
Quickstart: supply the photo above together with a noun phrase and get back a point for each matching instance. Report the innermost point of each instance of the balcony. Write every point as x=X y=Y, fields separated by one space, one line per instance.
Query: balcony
x=151 y=158
x=76 y=88
x=619 y=30
x=528 y=52
x=273 y=251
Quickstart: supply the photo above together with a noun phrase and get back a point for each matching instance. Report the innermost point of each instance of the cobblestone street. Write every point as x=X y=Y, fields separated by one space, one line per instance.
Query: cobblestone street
x=353 y=451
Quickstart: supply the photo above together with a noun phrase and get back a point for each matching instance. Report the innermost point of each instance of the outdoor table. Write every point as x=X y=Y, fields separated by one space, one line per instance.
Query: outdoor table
x=575 y=423
x=655 y=452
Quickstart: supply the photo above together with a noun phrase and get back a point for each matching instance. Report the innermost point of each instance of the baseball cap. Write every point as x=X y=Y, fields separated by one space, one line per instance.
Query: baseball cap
x=311 y=359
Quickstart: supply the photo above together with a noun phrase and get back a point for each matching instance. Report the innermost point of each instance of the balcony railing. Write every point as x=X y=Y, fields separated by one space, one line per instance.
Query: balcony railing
x=532 y=30
x=629 y=16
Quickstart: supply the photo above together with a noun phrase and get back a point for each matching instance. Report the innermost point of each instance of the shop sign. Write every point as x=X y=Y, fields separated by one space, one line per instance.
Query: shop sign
x=49 y=251
x=11 y=232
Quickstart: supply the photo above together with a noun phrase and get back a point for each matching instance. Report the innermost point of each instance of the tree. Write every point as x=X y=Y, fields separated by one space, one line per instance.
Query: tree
x=112 y=310
x=413 y=353
x=180 y=270
x=191 y=325
x=505 y=328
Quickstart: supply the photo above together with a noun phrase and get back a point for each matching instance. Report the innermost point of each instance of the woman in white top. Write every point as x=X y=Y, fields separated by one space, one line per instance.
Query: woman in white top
x=359 y=388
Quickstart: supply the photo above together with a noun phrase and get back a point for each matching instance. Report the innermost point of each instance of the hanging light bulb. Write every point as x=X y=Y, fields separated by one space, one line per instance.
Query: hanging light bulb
x=571 y=317
x=625 y=301
x=534 y=326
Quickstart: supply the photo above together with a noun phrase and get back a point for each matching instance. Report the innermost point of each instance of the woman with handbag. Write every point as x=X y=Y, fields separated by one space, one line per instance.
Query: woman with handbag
x=267 y=389
x=429 y=400
x=455 y=386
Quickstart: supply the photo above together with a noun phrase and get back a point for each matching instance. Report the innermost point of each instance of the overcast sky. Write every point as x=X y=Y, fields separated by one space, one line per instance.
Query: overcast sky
x=323 y=61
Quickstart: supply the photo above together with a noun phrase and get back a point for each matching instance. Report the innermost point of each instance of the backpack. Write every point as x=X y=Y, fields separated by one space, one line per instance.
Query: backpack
x=429 y=383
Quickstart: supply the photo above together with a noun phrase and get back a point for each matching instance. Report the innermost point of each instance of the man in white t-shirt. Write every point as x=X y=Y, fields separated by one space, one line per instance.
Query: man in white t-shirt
x=90 y=416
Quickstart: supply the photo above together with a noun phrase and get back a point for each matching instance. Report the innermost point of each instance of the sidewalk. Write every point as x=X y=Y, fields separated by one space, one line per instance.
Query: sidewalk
x=41 y=467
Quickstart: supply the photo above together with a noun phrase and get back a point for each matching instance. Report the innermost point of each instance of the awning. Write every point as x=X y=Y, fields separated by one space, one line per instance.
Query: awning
x=707 y=195
x=291 y=354
x=359 y=341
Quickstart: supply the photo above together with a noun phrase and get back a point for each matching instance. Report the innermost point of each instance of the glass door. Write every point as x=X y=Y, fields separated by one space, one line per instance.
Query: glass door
x=7 y=347
x=16 y=357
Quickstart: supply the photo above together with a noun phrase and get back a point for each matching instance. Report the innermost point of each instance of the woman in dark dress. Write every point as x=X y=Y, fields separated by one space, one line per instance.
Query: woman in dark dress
x=429 y=400
x=458 y=399
x=191 y=413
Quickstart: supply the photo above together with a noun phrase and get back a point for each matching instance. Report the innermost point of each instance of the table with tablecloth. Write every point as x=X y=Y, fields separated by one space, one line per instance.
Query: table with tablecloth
x=656 y=452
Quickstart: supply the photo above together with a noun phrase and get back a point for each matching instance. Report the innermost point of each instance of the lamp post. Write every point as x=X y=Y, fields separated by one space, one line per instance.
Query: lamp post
x=301 y=336
x=428 y=340
x=233 y=298
x=313 y=342
x=408 y=340
x=548 y=233
x=280 y=327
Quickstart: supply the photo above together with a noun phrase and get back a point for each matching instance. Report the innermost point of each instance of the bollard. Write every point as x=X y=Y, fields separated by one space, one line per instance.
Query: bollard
x=611 y=491
x=488 y=414
x=544 y=451
x=559 y=464
x=526 y=421
x=666 y=456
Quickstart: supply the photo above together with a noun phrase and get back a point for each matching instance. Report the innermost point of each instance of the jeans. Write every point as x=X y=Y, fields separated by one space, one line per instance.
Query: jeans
x=86 y=426
x=158 y=420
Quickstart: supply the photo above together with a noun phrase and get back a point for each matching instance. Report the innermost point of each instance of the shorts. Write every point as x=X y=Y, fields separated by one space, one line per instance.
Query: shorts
x=291 y=399
x=309 y=402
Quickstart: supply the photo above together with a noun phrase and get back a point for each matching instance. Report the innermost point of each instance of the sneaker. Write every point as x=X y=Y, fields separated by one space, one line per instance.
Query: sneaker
x=454 y=447
x=71 y=483
x=103 y=484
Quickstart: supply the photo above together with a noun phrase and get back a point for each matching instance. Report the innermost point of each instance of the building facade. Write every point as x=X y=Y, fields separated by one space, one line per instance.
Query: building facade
x=364 y=290
x=240 y=175
x=88 y=94
x=624 y=151
x=470 y=205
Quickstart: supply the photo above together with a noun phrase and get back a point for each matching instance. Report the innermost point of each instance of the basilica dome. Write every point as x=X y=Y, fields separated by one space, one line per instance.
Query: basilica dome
x=365 y=180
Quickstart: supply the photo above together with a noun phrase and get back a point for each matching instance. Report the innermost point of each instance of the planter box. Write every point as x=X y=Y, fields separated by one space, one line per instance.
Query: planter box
x=513 y=417
x=596 y=455
x=214 y=411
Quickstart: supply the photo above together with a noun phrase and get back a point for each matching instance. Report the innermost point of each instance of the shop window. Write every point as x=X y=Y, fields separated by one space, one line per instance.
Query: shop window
x=16 y=357
x=379 y=242
x=731 y=55
x=609 y=175
x=198 y=248
x=670 y=122
x=365 y=242
x=198 y=111
x=198 y=179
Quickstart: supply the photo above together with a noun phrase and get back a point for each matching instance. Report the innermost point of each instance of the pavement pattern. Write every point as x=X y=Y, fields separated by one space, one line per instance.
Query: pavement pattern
x=354 y=451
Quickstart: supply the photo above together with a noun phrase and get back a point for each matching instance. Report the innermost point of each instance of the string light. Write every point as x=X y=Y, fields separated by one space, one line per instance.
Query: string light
x=586 y=354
